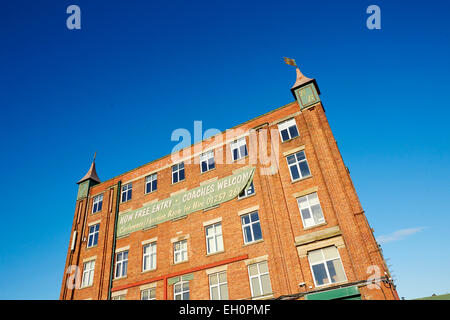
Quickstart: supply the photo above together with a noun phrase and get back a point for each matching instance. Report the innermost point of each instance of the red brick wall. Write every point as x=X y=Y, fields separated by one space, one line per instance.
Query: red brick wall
x=278 y=212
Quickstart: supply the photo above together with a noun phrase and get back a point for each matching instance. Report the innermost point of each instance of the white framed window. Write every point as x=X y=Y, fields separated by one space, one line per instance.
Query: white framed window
x=126 y=192
x=259 y=279
x=97 y=203
x=149 y=256
x=218 y=286
x=288 y=129
x=214 y=239
x=247 y=192
x=120 y=297
x=148 y=294
x=326 y=266
x=207 y=161
x=121 y=264
x=181 y=290
x=239 y=149
x=310 y=210
x=151 y=183
x=251 y=227
x=88 y=273
x=93 y=235
x=178 y=172
x=298 y=166
x=180 y=253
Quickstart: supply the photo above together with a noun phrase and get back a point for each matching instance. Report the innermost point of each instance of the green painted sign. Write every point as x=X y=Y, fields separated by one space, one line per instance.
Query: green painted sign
x=179 y=205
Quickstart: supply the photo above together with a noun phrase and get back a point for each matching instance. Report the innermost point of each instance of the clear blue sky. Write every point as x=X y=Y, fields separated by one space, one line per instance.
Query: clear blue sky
x=137 y=70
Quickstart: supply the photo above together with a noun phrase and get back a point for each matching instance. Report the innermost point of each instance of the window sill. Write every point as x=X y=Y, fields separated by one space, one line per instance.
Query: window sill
x=96 y=212
x=315 y=226
x=207 y=170
x=302 y=179
x=147 y=271
x=323 y=286
x=263 y=297
x=180 y=262
x=214 y=253
x=180 y=181
x=150 y=192
x=291 y=139
x=242 y=158
x=253 y=242
x=85 y=287
x=91 y=247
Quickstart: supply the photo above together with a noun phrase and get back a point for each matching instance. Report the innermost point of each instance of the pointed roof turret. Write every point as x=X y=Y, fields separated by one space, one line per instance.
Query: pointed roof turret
x=302 y=80
x=91 y=174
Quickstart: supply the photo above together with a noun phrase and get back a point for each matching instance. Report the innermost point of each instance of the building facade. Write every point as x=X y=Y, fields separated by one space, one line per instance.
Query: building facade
x=265 y=210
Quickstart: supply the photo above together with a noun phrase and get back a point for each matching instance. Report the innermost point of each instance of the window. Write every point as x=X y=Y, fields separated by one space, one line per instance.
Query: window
x=88 y=273
x=121 y=264
x=214 y=240
x=151 y=183
x=218 y=287
x=326 y=266
x=181 y=290
x=298 y=165
x=178 y=172
x=248 y=192
x=97 y=203
x=149 y=257
x=126 y=192
x=148 y=294
x=310 y=210
x=180 y=251
x=93 y=235
x=259 y=279
x=207 y=161
x=288 y=130
x=121 y=297
x=239 y=149
x=251 y=227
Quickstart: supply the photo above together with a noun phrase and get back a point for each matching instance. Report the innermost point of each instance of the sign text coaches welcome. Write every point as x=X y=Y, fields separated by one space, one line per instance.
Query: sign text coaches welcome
x=181 y=204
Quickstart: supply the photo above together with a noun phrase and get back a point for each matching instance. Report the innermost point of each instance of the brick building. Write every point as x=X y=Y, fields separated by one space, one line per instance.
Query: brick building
x=289 y=228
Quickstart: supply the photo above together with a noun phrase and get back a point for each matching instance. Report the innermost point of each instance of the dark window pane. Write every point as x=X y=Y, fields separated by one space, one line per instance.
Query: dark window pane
x=294 y=172
x=320 y=274
x=247 y=234
x=300 y=156
x=155 y=184
x=254 y=216
x=211 y=163
x=204 y=167
x=304 y=169
x=257 y=231
x=291 y=159
x=182 y=175
x=246 y=219
x=284 y=135
x=243 y=150
x=293 y=131
x=306 y=214
x=174 y=177
x=235 y=154
x=331 y=270
x=100 y=206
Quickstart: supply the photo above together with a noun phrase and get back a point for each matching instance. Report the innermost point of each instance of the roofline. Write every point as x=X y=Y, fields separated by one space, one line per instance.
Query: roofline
x=190 y=146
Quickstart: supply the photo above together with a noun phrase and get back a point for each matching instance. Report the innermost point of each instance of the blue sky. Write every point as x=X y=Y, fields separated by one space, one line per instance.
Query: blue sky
x=137 y=70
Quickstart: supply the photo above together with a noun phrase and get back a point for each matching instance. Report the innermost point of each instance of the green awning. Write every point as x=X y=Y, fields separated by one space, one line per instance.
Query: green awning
x=347 y=293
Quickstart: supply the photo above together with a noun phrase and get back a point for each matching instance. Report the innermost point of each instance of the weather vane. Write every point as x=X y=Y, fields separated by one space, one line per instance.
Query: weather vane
x=290 y=62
